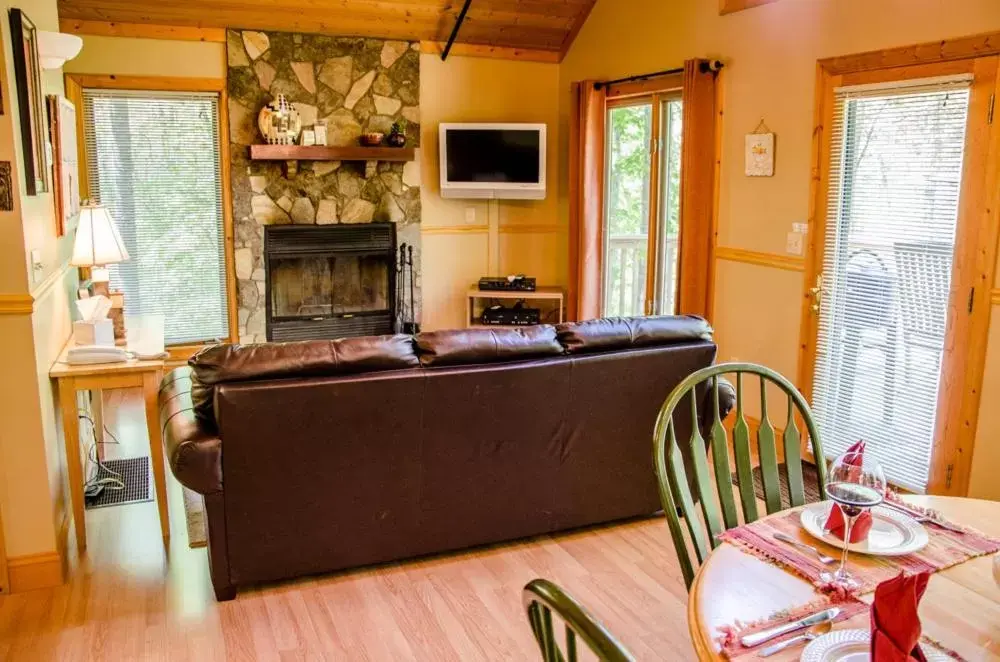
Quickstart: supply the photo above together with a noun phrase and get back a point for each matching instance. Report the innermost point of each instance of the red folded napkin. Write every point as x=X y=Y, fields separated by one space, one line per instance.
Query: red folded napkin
x=854 y=456
x=895 y=623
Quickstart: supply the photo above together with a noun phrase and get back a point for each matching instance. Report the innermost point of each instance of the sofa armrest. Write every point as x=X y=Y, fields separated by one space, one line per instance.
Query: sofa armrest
x=727 y=400
x=193 y=451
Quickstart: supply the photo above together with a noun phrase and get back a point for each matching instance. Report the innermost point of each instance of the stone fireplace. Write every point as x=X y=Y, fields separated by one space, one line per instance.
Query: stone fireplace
x=356 y=85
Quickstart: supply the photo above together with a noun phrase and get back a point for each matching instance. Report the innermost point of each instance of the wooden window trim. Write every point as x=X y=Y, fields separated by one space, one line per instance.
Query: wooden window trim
x=963 y=364
x=75 y=84
x=644 y=88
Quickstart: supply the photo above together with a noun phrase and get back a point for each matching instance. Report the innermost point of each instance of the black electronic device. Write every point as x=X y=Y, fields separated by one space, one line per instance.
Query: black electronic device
x=517 y=315
x=515 y=283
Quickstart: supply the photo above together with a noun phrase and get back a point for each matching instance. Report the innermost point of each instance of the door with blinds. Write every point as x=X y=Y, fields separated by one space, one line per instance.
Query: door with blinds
x=891 y=289
x=153 y=159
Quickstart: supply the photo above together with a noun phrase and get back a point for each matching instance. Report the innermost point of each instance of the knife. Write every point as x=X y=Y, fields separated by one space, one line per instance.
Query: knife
x=758 y=638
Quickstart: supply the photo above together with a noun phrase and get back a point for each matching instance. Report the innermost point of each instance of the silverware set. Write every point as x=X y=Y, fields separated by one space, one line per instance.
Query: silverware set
x=923 y=519
x=823 y=558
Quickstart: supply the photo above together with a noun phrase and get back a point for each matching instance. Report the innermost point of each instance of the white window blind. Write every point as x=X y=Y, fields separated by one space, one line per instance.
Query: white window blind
x=153 y=160
x=895 y=175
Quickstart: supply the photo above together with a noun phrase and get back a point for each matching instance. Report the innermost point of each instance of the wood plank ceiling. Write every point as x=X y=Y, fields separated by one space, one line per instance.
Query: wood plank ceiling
x=548 y=25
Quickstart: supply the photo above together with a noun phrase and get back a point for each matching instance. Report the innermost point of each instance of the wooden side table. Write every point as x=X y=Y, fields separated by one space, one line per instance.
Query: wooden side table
x=96 y=377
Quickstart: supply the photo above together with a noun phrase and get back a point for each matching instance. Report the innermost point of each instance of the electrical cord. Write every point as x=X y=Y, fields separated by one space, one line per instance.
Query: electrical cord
x=102 y=478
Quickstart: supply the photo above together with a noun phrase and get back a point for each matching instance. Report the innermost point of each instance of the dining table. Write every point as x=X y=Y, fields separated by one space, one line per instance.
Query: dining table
x=961 y=608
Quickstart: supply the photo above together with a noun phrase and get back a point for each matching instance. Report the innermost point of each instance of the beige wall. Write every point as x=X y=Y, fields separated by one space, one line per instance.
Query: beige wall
x=770 y=54
x=31 y=482
x=457 y=240
x=456 y=253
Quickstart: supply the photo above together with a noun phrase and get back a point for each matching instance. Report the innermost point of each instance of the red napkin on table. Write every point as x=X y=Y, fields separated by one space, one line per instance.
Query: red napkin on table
x=895 y=623
x=855 y=456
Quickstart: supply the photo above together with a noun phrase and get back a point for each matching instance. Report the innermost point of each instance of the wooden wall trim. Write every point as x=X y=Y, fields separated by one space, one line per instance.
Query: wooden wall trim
x=730 y=6
x=141 y=30
x=926 y=53
x=786 y=262
x=151 y=83
x=530 y=228
x=494 y=52
x=636 y=88
x=454 y=229
x=16 y=304
x=995 y=296
x=35 y=571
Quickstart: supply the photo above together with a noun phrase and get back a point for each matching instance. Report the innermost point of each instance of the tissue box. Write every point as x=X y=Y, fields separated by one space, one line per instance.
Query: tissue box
x=101 y=332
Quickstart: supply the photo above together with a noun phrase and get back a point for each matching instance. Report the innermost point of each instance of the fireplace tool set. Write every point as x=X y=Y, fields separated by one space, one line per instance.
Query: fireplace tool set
x=406 y=316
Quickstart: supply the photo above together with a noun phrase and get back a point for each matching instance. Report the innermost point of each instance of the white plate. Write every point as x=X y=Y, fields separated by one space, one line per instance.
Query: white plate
x=893 y=533
x=852 y=646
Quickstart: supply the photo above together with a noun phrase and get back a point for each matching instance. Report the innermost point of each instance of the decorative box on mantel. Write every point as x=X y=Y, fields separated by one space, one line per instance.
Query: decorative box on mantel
x=292 y=154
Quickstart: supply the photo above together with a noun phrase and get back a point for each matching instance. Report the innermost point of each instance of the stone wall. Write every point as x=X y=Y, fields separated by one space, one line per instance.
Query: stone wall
x=357 y=85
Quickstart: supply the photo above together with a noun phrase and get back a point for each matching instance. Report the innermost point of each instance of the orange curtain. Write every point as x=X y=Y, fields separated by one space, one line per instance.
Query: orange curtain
x=698 y=175
x=586 y=204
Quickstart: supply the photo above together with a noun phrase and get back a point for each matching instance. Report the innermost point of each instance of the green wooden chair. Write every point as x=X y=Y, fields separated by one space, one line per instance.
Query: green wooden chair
x=541 y=597
x=705 y=522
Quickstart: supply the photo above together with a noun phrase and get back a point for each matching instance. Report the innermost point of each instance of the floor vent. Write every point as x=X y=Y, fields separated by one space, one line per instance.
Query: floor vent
x=134 y=472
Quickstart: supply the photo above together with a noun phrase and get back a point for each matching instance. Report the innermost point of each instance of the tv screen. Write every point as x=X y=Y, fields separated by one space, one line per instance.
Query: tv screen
x=496 y=156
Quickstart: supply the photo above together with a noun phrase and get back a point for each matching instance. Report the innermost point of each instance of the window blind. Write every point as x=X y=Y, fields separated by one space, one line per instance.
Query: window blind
x=895 y=176
x=153 y=161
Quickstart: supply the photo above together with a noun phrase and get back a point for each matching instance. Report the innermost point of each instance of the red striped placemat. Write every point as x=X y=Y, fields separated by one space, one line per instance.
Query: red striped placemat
x=944 y=549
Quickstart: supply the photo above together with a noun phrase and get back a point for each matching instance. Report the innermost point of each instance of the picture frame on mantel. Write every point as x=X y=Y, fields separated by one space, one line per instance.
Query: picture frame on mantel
x=31 y=103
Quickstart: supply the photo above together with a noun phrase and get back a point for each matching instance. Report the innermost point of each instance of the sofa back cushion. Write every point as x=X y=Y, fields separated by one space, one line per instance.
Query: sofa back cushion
x=611 y=333
x=470 y=346
x=312 y=358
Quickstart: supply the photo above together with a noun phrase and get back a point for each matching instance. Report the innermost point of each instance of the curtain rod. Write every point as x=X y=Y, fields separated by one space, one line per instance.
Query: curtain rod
x=705 y=66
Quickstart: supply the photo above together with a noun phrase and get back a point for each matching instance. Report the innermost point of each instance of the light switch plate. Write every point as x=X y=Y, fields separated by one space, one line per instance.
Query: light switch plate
x=793 y=243
x=36 y=265
x=470 y=215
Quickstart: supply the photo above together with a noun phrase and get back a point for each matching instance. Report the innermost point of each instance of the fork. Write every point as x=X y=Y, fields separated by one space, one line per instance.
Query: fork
x=823 y=558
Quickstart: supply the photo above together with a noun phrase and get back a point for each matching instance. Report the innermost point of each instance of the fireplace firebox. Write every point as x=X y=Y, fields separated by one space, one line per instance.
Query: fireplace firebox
x=328 y=282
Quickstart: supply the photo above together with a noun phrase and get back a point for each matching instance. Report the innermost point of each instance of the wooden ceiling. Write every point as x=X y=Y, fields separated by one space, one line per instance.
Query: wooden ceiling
x=546 y=25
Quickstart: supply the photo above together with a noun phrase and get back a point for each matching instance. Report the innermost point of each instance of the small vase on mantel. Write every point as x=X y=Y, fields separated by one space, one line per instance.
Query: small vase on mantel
x=397 y=136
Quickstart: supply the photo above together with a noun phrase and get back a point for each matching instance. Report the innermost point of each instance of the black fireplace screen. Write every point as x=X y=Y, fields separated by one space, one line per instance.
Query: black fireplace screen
x=327 y=282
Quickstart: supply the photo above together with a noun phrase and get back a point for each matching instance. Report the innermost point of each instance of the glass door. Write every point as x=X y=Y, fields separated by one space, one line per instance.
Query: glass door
x=895 y=176
x=642 y=205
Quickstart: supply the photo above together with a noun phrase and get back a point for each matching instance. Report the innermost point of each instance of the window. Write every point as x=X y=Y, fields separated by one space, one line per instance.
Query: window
x=153 y=159
x=642 y=206
x=896 y=169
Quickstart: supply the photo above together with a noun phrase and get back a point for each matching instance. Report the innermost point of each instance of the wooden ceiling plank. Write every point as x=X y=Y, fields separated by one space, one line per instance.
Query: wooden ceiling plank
x=575 y=29
x=495 y=52
x=546 y=25
x=141 y=30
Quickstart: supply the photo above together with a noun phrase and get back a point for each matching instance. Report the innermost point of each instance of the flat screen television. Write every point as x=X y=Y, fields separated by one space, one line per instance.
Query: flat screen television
x=502 y=161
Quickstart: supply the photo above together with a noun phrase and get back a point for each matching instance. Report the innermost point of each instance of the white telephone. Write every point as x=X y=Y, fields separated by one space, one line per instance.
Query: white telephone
x=87 y=354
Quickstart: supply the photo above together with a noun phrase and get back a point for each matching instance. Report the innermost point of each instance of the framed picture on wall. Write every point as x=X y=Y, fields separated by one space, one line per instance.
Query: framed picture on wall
x=31 y=109
x=65 y=171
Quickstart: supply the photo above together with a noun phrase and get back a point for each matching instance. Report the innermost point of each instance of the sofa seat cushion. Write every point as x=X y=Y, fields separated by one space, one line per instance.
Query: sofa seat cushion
x=311 y=358
x=471 y=346
x=611 y=333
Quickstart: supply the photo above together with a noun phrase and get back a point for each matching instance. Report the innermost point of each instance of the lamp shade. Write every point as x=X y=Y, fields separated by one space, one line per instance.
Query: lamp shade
x=97 y=239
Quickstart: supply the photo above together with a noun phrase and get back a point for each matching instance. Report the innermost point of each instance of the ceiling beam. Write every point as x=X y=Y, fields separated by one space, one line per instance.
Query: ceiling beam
x=141 y=30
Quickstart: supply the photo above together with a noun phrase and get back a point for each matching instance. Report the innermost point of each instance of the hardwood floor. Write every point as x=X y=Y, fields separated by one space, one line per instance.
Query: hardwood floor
x=129 y=599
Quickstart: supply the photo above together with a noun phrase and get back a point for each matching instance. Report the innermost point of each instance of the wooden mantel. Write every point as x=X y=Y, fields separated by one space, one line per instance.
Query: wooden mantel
x=292 y=154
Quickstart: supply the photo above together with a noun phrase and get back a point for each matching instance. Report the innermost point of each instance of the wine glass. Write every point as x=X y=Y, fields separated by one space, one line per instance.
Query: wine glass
x=855 y=482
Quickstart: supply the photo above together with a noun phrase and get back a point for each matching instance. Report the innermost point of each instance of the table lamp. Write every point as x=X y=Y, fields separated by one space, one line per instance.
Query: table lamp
x=97 y=245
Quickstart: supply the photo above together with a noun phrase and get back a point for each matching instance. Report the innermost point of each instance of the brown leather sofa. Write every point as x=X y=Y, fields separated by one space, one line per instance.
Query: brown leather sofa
x=323 y=455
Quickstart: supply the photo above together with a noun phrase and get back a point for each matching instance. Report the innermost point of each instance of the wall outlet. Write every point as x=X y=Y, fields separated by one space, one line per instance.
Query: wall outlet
x=470 y=215
x=793 y=243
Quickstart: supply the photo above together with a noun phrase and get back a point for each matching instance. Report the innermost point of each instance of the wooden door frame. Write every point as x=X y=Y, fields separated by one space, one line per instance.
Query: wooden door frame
x=976 y=244
x=635 y=93
x=75 y=84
